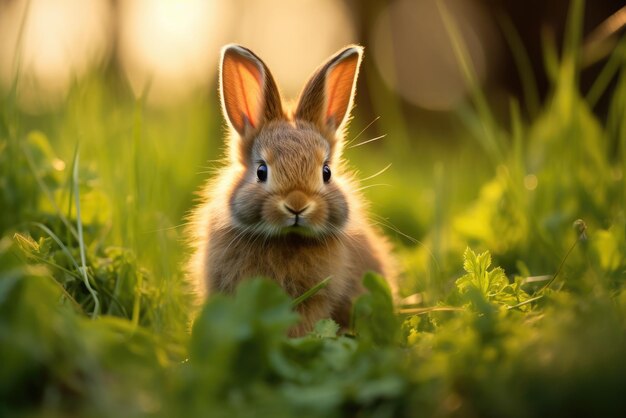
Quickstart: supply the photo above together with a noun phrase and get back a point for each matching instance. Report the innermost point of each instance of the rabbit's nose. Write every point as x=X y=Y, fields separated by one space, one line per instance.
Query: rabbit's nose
x=296 y=202
x=296 y=212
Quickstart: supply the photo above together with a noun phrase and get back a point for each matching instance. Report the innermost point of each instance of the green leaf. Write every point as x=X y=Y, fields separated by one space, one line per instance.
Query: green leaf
x=234 y=337
x=374 y=317
x=326 y=328
x=492 y=284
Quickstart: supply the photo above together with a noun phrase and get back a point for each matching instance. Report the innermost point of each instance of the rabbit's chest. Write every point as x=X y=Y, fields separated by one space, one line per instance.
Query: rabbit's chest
x=297 y=265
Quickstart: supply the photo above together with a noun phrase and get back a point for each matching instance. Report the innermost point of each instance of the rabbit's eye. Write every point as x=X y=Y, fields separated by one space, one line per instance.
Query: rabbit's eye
x=261 y=172
x=326 y=173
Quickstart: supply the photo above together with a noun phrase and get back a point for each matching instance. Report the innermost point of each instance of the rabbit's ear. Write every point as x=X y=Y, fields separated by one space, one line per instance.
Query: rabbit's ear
x=249 y=94
x=327 y=98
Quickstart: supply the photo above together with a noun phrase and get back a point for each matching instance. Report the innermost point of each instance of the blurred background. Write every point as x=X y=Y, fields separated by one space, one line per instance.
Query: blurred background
x=169 y=49
x=133 y=85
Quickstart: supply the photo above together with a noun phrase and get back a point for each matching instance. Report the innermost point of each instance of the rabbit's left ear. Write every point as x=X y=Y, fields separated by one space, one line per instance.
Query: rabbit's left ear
x=328 y=96
x=249 y=94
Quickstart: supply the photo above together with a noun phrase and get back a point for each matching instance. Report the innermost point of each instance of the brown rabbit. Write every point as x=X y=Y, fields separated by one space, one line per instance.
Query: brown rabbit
x=283 y=206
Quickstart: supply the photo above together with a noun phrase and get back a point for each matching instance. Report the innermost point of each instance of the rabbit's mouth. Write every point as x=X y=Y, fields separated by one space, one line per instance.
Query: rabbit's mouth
x=297 y=218
x=299 y=230
x=298 y=224
x=296 y=214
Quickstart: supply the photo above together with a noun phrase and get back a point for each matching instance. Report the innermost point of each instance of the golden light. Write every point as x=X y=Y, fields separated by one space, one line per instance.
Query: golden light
x=414 y=55
x=170 y=48
x=166 y=49
x=530 y=182
x=60 y=40
x=294 y=37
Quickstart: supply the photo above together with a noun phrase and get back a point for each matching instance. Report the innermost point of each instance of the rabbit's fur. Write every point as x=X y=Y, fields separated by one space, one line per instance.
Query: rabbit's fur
x=293 y=227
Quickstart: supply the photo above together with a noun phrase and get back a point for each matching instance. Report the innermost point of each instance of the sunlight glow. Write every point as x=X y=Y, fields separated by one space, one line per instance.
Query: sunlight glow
x=294 y=37
x=170 y=47
x=166 y=49
x=530 y=182
x=61 y=40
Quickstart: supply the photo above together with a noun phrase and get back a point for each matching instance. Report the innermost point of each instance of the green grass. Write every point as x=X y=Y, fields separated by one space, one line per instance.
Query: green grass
x=95 y=317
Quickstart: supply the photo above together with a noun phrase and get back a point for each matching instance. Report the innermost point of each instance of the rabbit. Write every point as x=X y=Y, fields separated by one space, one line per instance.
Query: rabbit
x=284 y=205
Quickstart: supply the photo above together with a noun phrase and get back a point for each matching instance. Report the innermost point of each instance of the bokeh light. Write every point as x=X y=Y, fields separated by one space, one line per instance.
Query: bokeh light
x=170 y=48
x=292 y=46
x=165 y=49
x=414 y=54
x=60 y=41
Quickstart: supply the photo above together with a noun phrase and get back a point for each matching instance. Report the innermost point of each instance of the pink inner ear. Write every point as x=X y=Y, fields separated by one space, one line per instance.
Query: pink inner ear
x=339 y=86
x=243 y=91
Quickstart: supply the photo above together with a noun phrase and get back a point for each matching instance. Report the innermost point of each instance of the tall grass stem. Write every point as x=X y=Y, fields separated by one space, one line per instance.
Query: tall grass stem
x=81 y=241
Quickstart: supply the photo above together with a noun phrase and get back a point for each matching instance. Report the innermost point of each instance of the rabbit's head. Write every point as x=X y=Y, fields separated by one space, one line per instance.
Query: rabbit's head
x=290 y=177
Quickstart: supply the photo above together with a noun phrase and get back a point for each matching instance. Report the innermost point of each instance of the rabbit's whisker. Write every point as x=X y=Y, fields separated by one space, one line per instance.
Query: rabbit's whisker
x=169 y=228
x=367 y=142
x=378 y=173
x=372 y=185
x=363 y=130
x=240 y=235
x=387 y=224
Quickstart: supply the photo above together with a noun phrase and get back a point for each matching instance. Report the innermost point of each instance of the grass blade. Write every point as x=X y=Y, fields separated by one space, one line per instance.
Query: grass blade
x=312 y=291
x=423 y=311
x=46 y=191
x=582 y=235
x=81 y=242
x=70 y=257
x=610 y=69
x=486 y=120
x=522 y=63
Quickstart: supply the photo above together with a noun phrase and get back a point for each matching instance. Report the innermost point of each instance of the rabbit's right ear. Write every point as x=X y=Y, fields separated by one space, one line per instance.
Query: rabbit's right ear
x=328 y=96
x=249 y=94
